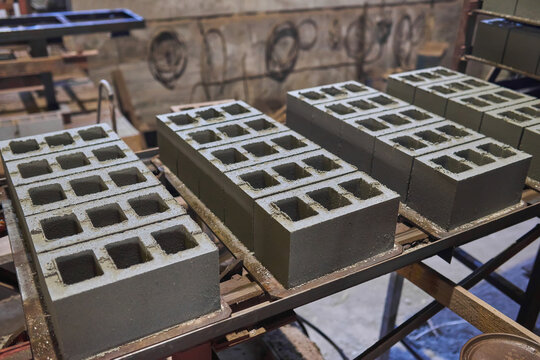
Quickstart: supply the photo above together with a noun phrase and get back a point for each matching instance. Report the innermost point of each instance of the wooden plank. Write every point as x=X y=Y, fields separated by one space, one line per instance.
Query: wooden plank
x=476 y=311
x=177 y=108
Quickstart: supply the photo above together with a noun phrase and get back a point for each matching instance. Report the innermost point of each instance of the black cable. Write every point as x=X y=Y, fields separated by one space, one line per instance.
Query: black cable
x=325 y=337
x=302 y=327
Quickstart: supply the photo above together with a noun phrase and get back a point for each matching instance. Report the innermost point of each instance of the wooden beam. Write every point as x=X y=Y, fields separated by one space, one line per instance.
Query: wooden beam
x=476 y=311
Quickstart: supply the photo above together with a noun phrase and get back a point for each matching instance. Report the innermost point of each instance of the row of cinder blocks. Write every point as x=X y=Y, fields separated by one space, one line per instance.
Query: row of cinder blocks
x=389 y=144
x=527 y=9
x=492 y=110
x=110 y=244
x=266 y=187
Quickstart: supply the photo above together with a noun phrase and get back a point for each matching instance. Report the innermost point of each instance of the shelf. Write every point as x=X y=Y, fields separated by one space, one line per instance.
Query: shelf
x=509 y=17
x=504 y=67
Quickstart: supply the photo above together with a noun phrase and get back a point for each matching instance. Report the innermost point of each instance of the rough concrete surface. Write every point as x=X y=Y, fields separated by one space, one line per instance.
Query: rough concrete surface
x=530 y=143
x=491 y=39
x=308 y=232
x=523 y=48
x=458 y=185
x=119 y=288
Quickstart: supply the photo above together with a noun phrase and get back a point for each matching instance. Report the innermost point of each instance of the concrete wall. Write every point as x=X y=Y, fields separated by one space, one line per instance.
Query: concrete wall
x=258 y=50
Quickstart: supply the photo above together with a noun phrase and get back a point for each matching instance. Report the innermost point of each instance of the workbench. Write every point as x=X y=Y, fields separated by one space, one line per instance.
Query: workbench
x=259 y=303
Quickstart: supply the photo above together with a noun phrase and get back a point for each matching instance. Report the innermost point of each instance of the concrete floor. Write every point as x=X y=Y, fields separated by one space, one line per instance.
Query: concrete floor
x=352 y=318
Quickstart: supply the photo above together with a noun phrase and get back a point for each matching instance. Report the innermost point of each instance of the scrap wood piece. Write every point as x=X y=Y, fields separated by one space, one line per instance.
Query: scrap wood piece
x=476 y=311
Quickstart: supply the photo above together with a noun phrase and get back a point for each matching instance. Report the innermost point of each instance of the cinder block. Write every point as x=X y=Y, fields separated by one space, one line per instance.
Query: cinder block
x=328 y=118
x=461 y=184
x=530 y=144
x=357 y=137
x=243 y=187
x=500 y=6
x=83 y=222
x=507 y=124
x=83 y=187
x=403 y=85
x=309 y=232
x=218 y=160
x=523 y=48
x=434 y=97
x=65 y=163
x=394 y=154
x=528 y=9
x=491 y=38
x=469 y=110
x=119 y=288
x=44 y=144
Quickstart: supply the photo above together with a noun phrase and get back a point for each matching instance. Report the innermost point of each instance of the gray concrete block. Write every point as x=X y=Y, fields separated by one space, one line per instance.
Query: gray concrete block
x=530 y=143
x=500 y=6
x=434 y=97
x=507 y=124
x=491 y=38
x=394 y=154
x=119 y=288
x=83 y=187
x=243 y=187
x=468 y=110
x=60 y=164
x=461 y=184
x=528 y=9
x=218 y=160
x=314 y=230
x=403 y=85
x=43 y=144
x=523 y=48
x=83 y=222
x=357 y=137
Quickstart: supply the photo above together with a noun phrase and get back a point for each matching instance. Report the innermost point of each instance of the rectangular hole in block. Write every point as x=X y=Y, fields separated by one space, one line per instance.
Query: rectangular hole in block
x=259 y=180
x=459 y=86
x=72 y=161
x=289 y=142
x=329 y=198
x=148 y=204
x=235 y=109
x=431 y=136
x=382 y=100
x=182 y=119
x=451 y=164
x=59 y=140
x=492 y=98
x=475 y=83
x=509 y=94
x=106 y=215
x=354 y=88
x=174 y=239
x=88 y=185
x=361 y=189
x=229 y=156
x=109 y=153
x=444 y=72
x=409 y=142
x=260 y=149
x=529 y=111
x=475 y=102
x=233 y=130
x=474 y=157
x=514 y=116
x=340 y=109
x=58 y=227
x=362 y=105
x=23 y=146
x=78 y=267
x=291 y=171
x=313 y=95
x=93 y=133
x=332 y=91
x=372 y=124
x=34 y=168
x=128 y=252
x=295 y=209
x=321 y=163
x=394 y=119
x=428 y=75
x=210 y=114
x=204 y=136
x=416 y=115
x=442 y=89
x=412 y=78
x=496 y=150
x=125 y=177
x=453 y=131
x=260 y=124
x=46 y=194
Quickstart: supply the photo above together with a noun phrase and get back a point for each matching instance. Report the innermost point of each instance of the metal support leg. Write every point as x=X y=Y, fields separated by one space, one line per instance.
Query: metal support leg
x=528 y=313
x=391 y=306
x=38 y=48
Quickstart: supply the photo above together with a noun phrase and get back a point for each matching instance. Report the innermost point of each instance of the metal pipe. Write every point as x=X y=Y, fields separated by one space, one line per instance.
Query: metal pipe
x=105 y=84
